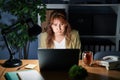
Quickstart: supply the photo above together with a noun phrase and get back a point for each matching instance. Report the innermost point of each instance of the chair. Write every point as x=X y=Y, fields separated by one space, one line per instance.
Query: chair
x=100 y=55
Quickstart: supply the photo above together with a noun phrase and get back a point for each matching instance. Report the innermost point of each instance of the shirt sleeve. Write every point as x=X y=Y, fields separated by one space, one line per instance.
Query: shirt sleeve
x=42 y=40
x=77 y=41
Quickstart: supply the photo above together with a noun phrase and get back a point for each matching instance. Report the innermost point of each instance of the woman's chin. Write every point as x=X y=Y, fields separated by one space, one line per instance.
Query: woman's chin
x=59 y=34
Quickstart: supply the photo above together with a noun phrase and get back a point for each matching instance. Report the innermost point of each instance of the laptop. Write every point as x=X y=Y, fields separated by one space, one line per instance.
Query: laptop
x=57 y=59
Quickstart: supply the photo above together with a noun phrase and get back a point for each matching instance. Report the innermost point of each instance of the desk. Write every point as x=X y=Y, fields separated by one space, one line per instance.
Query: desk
x=3 y=70
x=95 y=73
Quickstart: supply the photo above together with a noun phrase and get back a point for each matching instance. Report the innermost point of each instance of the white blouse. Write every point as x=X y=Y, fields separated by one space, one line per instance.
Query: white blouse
x=60 y=45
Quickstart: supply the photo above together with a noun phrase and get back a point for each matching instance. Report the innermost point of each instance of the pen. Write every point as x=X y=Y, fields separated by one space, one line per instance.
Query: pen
x=22 y=66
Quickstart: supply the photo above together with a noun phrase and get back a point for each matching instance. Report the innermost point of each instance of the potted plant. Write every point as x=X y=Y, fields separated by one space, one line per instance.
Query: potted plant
x=22 y=9
x=77 y=73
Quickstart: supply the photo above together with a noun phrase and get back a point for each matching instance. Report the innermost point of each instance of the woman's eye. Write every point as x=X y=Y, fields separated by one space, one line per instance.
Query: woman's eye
x=62 y=24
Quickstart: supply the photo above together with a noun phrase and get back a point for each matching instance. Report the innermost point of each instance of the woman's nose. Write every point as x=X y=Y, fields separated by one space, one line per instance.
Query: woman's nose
x=59 y=27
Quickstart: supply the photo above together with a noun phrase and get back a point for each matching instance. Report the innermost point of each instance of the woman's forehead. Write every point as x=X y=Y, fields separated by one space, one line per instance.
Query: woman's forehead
x=58 y=20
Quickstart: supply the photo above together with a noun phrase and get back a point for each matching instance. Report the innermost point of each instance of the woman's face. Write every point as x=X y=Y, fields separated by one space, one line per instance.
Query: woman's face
x=58 y=27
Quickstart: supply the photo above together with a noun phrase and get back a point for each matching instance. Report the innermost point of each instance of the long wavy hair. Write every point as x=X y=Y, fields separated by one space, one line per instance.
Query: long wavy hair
x=62 y=17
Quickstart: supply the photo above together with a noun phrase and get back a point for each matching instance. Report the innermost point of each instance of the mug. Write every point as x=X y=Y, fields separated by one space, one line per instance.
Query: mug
x=87 y=58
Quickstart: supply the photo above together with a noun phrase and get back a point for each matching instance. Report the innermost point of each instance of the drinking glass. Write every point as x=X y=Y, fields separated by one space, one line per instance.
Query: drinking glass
x=87 y=58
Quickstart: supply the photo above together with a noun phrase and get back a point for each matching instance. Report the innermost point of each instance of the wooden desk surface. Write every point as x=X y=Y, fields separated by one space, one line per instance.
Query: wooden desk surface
x=101 y=73
x=95 y=73
x=3 y=70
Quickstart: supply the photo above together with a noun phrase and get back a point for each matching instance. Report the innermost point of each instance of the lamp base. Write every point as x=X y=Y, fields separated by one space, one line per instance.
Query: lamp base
x=12 y=63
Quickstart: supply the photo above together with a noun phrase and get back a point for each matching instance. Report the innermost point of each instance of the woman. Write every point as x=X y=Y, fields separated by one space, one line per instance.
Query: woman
x=59 y=34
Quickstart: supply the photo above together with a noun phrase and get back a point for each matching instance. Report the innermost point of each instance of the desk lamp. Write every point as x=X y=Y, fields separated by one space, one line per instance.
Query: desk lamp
x=33 y=30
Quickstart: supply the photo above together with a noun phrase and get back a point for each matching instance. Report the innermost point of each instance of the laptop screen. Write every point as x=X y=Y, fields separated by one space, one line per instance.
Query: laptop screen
x=57 y=59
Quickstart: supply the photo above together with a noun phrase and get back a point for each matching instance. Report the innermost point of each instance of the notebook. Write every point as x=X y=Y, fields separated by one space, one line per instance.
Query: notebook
x=57 y=59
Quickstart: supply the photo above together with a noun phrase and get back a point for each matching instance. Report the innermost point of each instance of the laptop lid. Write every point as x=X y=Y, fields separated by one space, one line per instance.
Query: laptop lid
x=57 y=59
